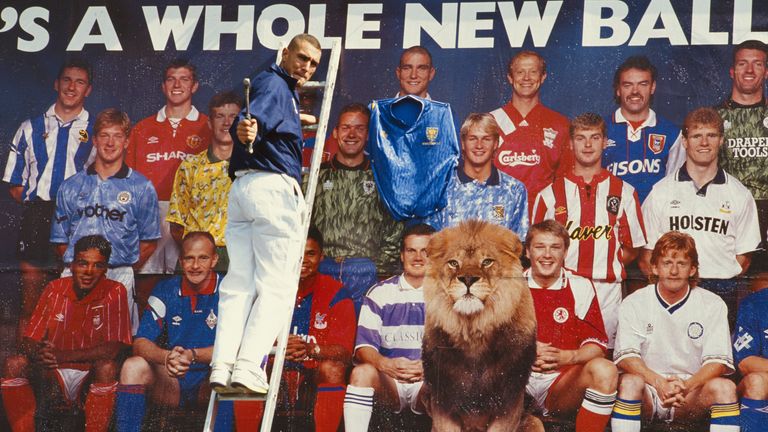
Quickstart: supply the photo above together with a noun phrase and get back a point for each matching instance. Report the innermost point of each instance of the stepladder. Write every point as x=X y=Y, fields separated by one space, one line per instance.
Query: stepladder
x=310 y=90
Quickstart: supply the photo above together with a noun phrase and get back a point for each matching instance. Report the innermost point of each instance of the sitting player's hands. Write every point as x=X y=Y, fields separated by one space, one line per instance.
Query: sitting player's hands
x=46 y=355
x=671 y=390
x=549 y=359
x=402 y=369
x=178 y=361
x=247 y=130
x=296 y=350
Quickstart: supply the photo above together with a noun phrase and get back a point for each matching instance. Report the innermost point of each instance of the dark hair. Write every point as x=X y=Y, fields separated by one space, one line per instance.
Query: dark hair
x=199 y=235
x=112 y=117
x=417 y=49
x=303 y=37
x=586 y=121
x=178 y=64
x=635 y=62
x=224 y=98
x=78 y=63
x=548 y=226
x=420 y=229
x=751 y=44
x=704 y=116
x=316 y=235
x=95 y=241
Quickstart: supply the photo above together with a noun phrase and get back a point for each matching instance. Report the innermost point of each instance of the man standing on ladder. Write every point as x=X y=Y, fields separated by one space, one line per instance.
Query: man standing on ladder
x=264 y=230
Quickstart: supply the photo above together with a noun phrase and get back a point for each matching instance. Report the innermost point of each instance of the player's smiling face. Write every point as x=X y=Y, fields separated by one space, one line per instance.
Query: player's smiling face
x=547 y=255
x=220 y=120
x=749 y=71
x=88 y=267
x=110 y=142
x=635 y=90
x=351 y=133
x=526 y=76
x=414 y=255
x=73 y=87
x=477 y=146
x=312 y=257
x=702 y=145
x=414 y=73
x=301 y=61
x=179 y=86
x=587 y=145
x=198 y=258
x=673 y=270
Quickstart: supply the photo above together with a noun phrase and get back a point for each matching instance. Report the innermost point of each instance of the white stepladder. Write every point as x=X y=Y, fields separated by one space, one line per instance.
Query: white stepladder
x=327 y=87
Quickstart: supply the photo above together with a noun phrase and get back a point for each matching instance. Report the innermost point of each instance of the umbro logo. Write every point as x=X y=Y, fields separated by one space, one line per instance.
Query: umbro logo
x=153 y=140
x=59 y=317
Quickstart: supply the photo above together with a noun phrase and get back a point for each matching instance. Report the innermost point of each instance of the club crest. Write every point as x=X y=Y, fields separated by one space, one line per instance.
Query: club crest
x=656 y=142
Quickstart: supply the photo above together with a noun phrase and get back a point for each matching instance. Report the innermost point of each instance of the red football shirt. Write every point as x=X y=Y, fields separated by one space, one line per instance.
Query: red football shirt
x=70 y=323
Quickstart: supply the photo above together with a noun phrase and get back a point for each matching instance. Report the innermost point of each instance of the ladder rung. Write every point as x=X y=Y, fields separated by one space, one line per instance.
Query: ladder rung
x=309 y=127
x=313 y=84
x=240 y=397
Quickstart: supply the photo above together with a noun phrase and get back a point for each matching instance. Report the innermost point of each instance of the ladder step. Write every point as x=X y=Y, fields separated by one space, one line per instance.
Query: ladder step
x=309 y=127
x=314 y=84
x=240 y=397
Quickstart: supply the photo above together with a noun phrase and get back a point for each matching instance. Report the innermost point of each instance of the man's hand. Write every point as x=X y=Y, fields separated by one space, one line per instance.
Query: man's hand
x=671 y=391
x=549 y=359
x=178 y=361
x=307 y=119
x=402 y=369
x=247 y=130
x=46 y=355
x=296 y=350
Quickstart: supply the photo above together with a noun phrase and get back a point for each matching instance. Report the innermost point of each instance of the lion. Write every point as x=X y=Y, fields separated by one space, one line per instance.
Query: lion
x=480 y=331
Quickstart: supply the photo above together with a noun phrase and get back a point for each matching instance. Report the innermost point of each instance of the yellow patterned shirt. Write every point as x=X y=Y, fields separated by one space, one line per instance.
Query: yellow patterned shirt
x=200 y=195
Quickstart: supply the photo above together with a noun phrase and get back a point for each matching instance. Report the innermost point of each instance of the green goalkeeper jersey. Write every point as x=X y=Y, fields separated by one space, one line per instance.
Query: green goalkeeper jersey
x=352 y=218
x=745 y=149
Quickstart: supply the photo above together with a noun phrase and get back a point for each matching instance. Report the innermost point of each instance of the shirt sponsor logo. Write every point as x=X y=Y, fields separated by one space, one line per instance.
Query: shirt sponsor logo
x=511 y=159
x=748 y=147
x=695 y=330
x=403 y=336
x=320 y=322
x=589 y=232
x=101 y=211
x=656 y=142
x=698 y=223
x=432 y=133
x=549 y=137
x=166 y=156
x=635 y=167
x=560 y=315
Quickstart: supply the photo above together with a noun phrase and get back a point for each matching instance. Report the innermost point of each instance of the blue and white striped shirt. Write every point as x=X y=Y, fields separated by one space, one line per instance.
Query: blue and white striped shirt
x=45 y=152
x=392 y=319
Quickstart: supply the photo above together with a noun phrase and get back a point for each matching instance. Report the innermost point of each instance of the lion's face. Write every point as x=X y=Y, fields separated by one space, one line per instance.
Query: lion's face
x=470 y=263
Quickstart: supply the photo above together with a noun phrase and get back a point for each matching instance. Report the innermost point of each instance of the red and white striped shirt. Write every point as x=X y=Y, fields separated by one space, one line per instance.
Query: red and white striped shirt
x=70 y=324
x=601 y=216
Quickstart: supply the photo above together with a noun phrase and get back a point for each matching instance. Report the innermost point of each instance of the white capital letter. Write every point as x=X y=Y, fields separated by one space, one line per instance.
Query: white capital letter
x=274 y=12
x=594 y=23
x=356 y=25
x=670 y=25
x=28 y=23
x=742 y=22
x=417 y=18
x=215 y=27
x=95 y=15
x=540 y=26
x=172 y=23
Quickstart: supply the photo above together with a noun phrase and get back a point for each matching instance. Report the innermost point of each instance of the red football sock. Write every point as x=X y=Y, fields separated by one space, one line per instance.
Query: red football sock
x=329 y=407
x=248 y=415
x=98 y=406
x=595 y=411
x=19 y=403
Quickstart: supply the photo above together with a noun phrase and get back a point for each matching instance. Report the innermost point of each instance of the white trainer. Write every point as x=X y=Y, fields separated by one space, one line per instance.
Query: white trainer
x=249 y=380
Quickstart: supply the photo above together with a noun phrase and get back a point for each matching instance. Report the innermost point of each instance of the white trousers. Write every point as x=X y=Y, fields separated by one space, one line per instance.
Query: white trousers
x=264 y=238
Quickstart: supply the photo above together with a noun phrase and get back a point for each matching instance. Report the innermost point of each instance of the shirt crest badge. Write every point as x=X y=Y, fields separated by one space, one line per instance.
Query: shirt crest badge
x=211 y=320
x=612 y=204
x=368 y=187
x=432 y=133
x=498 y=212
x=327 y=185
x=124 y=197
x=549 y=137
x=656 y=142
x=193 y=141
x=83 y=135
x=320 y=322
x=97 y=321
x=695 y=330
x=560 y=315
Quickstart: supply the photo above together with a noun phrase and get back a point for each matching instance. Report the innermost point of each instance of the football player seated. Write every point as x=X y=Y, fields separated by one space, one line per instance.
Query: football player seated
x=76 y=332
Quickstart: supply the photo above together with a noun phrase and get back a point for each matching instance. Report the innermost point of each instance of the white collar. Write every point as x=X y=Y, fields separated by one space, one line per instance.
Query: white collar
x=193 y=115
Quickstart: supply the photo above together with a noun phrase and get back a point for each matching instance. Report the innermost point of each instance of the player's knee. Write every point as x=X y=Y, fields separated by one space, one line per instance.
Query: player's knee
x=136 y=370
x=364 y=375
x=16 y=366
x=105 y=371
x=631 y=386
x=603 y=374
x=331 y=372
x=755 y=386
x=721 y=390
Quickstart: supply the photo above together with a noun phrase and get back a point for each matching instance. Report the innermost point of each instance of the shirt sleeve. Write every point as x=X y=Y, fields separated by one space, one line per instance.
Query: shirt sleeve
x=16 y=168
x=747 y=339
x=180 y=199
x=341 y=321
x=519 y=217
x=717 y=346
x=541 y=206
x=631 y=227
x=676 y=157
x=652 y=218
x=38 y=324
x=119 y=319
x=591 y=327
x=369 y=325
x=149 y=228
x=153 y=320
x=61 y=225
x=629 y=337
x=747 y=227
